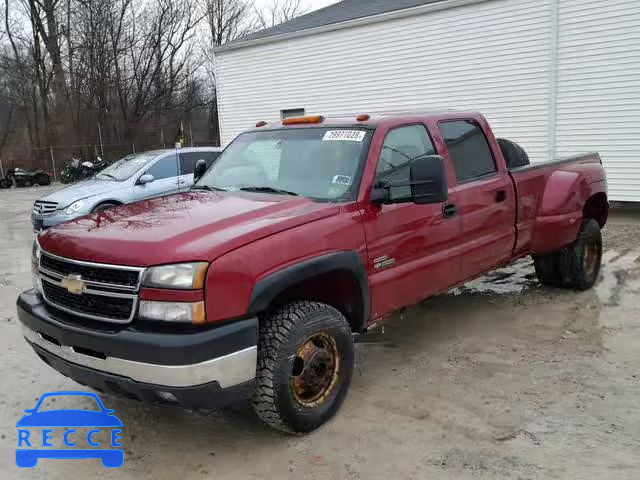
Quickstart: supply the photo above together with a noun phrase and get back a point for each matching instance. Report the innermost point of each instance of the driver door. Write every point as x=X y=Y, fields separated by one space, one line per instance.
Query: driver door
x=413 y=249
x=165 y=179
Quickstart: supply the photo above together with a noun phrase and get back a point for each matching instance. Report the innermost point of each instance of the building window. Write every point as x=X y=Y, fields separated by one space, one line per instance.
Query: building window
x=292 y=112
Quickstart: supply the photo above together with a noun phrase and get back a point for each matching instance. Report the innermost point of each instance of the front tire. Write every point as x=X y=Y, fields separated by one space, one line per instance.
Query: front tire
x=305 y=364
x=103 y=206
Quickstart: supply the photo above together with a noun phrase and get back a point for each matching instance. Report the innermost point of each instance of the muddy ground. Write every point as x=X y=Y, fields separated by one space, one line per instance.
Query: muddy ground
x=501 y=379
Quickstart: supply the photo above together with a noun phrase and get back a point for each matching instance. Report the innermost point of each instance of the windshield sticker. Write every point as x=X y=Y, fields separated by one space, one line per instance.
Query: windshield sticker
x=342 y=180
x=344 y=136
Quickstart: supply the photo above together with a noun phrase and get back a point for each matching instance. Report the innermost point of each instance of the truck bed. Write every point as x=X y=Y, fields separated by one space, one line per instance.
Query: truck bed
x=551 y=197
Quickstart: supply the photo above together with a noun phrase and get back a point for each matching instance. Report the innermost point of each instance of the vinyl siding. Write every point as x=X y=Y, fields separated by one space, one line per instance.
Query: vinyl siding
x=491 y=57
x=598 y=100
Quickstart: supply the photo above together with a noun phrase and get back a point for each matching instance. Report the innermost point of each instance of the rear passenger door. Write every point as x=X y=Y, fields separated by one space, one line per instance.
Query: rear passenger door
x=483 y=198
x=188 y=162
x=165 y=178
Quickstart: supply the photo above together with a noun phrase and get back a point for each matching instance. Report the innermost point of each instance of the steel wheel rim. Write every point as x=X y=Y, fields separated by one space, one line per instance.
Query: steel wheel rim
x=590 y=256
x=315 y=370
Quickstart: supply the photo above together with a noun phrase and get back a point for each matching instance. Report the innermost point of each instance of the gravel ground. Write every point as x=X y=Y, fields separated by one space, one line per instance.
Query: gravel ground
x=500 y=379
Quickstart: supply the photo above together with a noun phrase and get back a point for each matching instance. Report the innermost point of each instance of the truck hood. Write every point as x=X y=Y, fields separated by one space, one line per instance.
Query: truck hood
x=180 y=228
x=87 y=188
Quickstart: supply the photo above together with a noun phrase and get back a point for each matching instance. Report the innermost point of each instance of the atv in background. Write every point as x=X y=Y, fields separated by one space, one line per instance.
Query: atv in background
x=20 y=177
x=75 y=169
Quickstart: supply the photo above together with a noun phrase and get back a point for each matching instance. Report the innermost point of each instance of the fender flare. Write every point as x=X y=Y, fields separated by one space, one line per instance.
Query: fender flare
x=268 y=288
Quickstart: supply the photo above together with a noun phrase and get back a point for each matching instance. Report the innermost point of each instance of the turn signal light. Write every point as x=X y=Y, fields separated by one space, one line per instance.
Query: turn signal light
x=300 y=120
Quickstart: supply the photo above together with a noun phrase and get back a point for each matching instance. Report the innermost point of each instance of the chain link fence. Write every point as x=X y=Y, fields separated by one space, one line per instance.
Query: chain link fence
x=52 y=159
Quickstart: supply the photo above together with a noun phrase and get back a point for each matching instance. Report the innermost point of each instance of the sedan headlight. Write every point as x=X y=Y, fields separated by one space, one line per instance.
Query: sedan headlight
x=74 y=207
x=184 y=276
x=35 y=265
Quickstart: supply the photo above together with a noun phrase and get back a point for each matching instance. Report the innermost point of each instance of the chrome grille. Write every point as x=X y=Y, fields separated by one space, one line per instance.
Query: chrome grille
x=43 y=207
x=108 y=293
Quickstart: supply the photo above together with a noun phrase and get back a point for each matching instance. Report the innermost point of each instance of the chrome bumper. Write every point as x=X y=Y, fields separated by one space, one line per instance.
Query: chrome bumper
x=228 y=370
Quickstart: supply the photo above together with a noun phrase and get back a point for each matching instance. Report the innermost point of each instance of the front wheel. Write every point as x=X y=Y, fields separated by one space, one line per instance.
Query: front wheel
x=103 y=206
x=305 y=364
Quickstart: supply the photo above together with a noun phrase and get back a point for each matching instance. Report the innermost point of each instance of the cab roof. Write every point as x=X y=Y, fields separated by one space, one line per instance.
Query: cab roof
x=372 y=122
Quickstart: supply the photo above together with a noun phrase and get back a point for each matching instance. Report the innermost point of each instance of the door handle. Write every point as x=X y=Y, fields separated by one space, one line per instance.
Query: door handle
x=181 y=182
x=449 y=210
x=501 y=196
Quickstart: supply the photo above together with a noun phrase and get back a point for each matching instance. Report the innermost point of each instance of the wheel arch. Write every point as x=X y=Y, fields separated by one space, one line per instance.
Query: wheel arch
x=597 y=207
x=338 y=279
x=105 y=201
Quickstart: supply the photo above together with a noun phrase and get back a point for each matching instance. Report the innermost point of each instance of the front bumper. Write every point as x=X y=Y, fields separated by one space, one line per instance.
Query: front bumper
x=205 y=369
x=42 y=222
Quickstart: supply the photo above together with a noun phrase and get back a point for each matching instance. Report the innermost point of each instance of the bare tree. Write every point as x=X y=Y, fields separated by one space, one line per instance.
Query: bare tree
x=277 y=12
x=132 y=69
x=227 y=20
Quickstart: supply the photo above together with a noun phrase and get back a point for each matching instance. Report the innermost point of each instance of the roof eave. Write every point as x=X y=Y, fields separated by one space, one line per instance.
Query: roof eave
x=382 y=17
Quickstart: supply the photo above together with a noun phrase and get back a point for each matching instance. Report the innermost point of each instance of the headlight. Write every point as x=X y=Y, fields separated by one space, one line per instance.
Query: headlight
x=35 y=266
x=185 y=276
x=35 y=252
x=74 y=207
x=172 y=311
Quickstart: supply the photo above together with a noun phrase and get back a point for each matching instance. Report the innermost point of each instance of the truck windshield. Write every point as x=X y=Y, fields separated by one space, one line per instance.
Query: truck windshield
x=318 y=163
x=125 y=167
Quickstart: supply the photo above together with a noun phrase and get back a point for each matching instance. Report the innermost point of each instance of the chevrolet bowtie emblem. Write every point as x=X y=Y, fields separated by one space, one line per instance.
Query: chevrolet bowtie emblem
x=73 y=284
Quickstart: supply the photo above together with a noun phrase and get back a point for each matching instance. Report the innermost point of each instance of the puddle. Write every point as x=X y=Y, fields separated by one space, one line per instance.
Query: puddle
x=514 y=278
x=616 y=274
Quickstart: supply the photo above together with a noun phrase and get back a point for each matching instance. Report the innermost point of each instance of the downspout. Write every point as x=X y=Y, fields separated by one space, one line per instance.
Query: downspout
x=554 y=46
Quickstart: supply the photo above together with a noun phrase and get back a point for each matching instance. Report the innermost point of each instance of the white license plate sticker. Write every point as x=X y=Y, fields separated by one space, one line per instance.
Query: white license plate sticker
x=344 y=136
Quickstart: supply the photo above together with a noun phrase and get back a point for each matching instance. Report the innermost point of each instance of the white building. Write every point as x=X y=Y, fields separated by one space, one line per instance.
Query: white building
x=558 y=76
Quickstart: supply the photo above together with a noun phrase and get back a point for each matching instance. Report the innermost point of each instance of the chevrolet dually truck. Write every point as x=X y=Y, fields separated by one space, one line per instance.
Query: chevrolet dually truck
x=304 y=232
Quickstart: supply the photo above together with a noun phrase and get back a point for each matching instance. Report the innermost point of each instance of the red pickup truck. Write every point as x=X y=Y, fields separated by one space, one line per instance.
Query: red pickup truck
x=301 y=234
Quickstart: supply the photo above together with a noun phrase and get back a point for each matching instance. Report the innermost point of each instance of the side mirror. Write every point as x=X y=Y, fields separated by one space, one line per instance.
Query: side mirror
x=427 y=183
x=146 y=178
x=198 y=172
x=428 y=180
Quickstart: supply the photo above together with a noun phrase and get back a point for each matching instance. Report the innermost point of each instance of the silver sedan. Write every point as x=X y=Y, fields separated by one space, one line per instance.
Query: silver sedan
x=132 y=178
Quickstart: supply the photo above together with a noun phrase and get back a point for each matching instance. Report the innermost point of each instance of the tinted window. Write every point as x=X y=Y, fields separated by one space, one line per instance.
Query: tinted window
x=165 y=168
x=400 y=147
x=468 y=149
x=188 y=160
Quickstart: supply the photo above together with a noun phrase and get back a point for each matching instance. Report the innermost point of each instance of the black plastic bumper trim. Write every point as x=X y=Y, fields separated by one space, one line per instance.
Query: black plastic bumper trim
x=129 y=344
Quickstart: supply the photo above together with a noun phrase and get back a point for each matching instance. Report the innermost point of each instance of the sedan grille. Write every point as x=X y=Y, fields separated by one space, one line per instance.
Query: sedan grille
x=90 y=290
x=43 y=207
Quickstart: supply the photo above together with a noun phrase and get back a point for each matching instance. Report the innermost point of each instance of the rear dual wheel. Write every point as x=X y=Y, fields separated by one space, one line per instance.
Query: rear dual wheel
x=577 y=266
x=305 y=364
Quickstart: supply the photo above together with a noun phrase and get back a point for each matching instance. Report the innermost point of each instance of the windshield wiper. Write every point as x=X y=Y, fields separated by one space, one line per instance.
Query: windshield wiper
x=209 y=188
x=266 y=189
x=107 y=175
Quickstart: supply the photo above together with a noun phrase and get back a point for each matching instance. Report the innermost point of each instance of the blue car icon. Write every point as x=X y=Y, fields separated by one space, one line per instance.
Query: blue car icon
x=69 y=418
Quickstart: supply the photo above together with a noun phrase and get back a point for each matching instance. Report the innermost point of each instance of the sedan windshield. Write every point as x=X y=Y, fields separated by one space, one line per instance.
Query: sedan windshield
x=127 y=166
x=318 y=163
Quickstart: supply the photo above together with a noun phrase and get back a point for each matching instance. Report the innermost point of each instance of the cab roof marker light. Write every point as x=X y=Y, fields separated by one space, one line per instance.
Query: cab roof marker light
x=303 y=120
x=261 y=123
x=363 y=117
